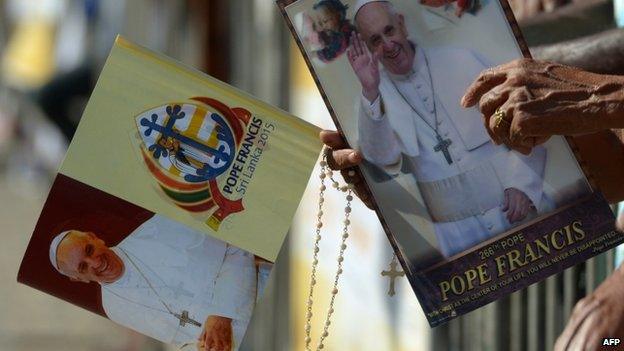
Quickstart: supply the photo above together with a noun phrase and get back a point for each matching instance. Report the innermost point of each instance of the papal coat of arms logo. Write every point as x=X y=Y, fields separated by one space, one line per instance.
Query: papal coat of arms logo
x=187 y=146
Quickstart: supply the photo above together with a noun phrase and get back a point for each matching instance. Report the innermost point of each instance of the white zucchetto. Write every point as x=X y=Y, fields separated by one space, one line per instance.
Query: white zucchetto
x=361 y=3
x=54 y=247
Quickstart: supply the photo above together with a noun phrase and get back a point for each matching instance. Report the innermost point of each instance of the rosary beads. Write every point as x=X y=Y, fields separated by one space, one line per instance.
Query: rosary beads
x=348 y=189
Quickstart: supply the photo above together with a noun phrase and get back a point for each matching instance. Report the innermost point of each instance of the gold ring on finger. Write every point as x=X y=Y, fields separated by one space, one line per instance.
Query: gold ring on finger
x=499 y=117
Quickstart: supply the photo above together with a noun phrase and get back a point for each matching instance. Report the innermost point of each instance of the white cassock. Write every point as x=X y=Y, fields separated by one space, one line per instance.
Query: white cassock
x=188 y=271
x=464 y=198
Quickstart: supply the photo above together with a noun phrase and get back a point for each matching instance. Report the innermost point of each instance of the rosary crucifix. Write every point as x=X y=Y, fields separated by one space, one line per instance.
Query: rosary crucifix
x=393 y=273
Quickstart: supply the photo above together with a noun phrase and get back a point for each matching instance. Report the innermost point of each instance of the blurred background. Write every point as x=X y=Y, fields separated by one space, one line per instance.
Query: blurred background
x=51 y=52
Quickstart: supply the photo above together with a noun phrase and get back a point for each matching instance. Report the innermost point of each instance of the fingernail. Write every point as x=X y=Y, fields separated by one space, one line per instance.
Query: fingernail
x=353 y=157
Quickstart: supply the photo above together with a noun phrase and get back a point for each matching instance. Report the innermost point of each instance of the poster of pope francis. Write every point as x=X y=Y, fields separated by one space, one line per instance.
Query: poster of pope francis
x=143 y=270
x=470 y=220
x=441 y=186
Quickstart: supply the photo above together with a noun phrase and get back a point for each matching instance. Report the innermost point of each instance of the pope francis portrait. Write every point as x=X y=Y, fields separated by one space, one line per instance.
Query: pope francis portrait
x=409 y=117
x=167 y=281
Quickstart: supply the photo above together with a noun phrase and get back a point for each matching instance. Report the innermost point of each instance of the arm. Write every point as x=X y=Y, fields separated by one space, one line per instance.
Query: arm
x=233 y=300
x=377 y=140
x=600 y=314
x=603 y=152
x=235 y=285
x=600 y=53
x=541 y=25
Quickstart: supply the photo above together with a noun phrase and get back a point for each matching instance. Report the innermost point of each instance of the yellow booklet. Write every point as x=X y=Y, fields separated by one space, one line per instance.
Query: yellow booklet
x=173 y=200
x=187 y=146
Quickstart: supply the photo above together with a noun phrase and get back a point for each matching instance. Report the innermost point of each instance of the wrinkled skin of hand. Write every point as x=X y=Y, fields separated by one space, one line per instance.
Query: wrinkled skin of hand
x=345 y=160
x=217 y=334
x=599 y=315
x=541 y=99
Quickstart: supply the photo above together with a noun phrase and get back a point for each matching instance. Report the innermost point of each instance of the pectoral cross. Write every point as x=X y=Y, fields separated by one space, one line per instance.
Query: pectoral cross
x=184 y=318
x=443 y=145
x=393 y=273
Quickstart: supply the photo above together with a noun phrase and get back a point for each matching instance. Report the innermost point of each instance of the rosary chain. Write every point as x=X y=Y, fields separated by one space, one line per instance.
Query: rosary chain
x=326 y=173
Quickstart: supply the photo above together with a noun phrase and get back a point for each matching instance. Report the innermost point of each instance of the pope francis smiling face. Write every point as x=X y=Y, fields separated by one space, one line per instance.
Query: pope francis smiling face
x=84 y=257
x=383 y=30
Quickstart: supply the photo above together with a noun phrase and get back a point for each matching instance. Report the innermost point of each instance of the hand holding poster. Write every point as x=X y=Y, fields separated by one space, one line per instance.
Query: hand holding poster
x=470 y=220
x=166 y=212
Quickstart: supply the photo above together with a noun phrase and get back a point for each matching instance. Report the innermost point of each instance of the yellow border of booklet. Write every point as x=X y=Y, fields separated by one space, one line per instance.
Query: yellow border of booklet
x=106 y=150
